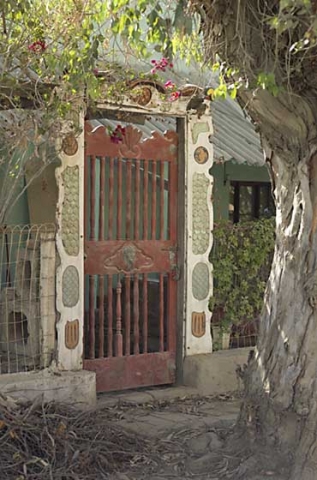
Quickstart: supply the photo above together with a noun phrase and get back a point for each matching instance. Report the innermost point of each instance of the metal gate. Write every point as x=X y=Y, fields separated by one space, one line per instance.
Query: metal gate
x=130 y=258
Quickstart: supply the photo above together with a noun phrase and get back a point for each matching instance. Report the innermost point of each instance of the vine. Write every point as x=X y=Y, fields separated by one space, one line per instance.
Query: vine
x=241 y=258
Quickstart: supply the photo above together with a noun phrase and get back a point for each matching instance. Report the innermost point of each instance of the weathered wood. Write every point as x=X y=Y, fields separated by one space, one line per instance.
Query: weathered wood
x=136 y=315
x=102 y=198
x=142 y=252
x=110 y=256
x=146 y=200
x=118 y=336
x=120 y=193
x=127 y=316
x=92 y=197
x=145 y=314
x=120 y=373
x=129 y=199
x=101 y=317
x=111 y=199
x=92 y=336
x=161 y=312
x=162 y=189
x=153 y=202
x=137 y=201
x=110 y=316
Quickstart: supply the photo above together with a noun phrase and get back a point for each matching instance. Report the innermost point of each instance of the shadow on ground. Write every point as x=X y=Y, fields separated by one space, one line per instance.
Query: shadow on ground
x=187 y=437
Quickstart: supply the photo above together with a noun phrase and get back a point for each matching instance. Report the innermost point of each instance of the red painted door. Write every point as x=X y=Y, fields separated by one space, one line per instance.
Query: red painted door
x=130 y=258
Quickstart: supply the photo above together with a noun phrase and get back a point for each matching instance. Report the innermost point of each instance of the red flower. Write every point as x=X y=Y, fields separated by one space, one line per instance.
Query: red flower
x=37 y=47
x=161 y=65
x=115 y=139
x=169 y=84
x=174 y=96
x=117 y=134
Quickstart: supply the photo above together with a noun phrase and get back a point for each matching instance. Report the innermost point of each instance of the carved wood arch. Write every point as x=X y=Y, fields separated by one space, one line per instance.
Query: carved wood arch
x=156 y=147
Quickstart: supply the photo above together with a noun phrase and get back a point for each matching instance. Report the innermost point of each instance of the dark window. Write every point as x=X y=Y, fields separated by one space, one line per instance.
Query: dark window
x=250 y=201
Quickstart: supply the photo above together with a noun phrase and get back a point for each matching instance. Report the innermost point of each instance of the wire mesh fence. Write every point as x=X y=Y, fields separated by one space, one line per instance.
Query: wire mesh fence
x=27 y=297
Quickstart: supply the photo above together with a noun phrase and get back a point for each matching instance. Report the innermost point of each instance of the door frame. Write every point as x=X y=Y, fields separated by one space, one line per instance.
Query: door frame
x=181 y=242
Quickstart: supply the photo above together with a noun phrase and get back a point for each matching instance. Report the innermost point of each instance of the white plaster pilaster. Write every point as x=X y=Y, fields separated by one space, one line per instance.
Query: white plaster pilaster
x=70 y=247
x=199 y=232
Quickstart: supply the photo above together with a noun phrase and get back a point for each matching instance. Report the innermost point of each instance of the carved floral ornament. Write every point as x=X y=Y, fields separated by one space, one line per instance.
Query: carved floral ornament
x=151 y=95
x=130 y=144
x=127 y=259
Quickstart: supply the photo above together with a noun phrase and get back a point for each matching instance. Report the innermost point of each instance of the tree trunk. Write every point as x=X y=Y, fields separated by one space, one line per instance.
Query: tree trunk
x=281 y=386
x=280 y=405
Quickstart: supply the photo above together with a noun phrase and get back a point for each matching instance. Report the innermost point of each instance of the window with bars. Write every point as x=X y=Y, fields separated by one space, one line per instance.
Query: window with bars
x=250 y=201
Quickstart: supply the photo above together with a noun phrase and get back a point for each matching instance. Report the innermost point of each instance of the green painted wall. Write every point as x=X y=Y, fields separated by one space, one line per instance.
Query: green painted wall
x=224 y=174
x=19 y=214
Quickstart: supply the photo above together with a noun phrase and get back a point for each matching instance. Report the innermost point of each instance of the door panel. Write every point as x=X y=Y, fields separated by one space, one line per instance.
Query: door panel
x=130 y=258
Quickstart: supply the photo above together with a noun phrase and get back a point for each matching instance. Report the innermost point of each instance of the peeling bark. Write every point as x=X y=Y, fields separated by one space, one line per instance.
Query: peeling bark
x=280 y=406
x=280 y=380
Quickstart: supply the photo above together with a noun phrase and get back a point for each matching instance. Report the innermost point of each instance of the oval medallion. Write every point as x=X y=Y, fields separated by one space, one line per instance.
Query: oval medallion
x=70 y=145
x=201 y=155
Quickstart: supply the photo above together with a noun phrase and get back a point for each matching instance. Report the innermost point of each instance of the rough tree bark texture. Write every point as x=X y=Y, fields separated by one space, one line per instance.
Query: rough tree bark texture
x=281 y=378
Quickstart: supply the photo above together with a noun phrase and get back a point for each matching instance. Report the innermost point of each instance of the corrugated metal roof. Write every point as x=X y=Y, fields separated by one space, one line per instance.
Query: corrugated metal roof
x=234 y=135
x=151 y=124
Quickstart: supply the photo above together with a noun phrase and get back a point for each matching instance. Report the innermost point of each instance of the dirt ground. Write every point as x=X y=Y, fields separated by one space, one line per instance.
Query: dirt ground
x=128 y=438
x=195 y=438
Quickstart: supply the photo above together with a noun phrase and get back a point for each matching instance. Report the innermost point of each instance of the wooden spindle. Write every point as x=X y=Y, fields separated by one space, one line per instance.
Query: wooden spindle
x=101 y=317
x=136 y=315
x=101 y=280
x=161 y=310
x=110 y=316
x=153 y=219
x=127 y=315
x=172 y=235
x=92 y=197
x=129 y=198
x=162 y=200
x=111 y=199
x=119 y=212
x=146 y=200
x=92 y=338
x=137 y=201
x=145 y=313
x=118 y=339
x=102 y=198
x=172 y=202
x=86 y=203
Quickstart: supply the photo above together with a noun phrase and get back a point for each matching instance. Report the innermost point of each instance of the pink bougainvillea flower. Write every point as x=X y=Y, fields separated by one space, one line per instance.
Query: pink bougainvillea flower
x=115 y=139
x=117 y=134
x=169 y=84
x=37 y=47
x=161 y=65
x=174 y=96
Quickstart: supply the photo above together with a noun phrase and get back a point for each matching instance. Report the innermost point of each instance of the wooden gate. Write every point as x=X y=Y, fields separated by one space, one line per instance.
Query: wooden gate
x=130 y=258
